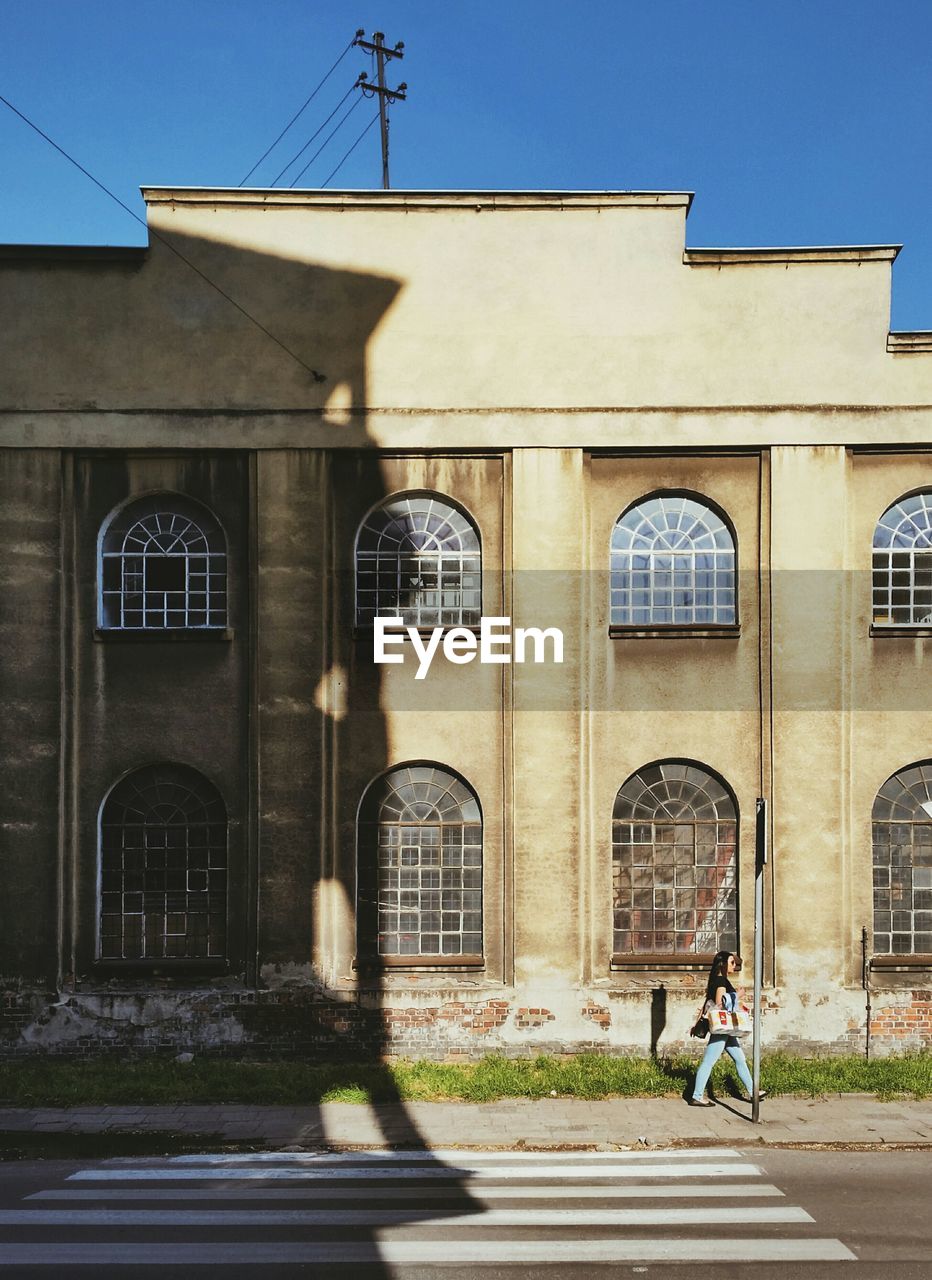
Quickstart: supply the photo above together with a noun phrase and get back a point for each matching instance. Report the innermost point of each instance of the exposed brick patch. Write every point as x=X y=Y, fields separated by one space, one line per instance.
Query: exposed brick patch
x=306 y=1022
x=17 y=1009
x=598 y=1014
x=481 y=1018
x=904 y=1025
x=528 y=1018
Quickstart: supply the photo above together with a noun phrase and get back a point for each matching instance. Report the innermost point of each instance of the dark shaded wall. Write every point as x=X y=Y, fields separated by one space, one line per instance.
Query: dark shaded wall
x=291 y=515
x=141 y=701
x=30 y=629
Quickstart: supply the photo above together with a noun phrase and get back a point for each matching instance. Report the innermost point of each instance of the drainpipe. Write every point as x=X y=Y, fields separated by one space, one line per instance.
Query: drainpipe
x=866 y=984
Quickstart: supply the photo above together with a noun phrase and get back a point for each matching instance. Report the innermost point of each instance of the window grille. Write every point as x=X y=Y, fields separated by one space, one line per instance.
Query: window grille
x=163 y=566
x=163 y=867
x=902 y=863
x=418 y=558
x=674 y=852
x=902 y=564
x=672 y=562
x=420 y=865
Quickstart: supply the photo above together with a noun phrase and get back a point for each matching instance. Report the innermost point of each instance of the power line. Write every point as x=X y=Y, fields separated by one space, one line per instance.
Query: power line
x=315 y=374
x=306 y=104
x=315 y=134
x=352 y=149
x=339 y=125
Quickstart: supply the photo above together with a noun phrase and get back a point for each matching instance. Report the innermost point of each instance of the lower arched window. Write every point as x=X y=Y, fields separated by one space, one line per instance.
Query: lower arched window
x=163 y=867
x=902 y=840
x=674 y=863
x=420 y=867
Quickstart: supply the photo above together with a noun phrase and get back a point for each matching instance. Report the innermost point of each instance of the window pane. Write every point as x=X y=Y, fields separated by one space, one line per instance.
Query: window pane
x=670 y=858
x=163 y=566
x=429 y=816
x=672 y=578
x=427 y=553
x=148 y=861
x=902 y=874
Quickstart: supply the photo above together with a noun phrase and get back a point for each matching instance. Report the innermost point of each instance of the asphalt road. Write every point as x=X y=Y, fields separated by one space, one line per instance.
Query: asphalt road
x=868 y=1214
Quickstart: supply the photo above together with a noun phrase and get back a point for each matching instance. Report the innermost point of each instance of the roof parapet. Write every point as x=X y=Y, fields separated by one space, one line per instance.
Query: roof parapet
x=400 y=199
x=919 y=340
x=823 y=253
x=74 y=253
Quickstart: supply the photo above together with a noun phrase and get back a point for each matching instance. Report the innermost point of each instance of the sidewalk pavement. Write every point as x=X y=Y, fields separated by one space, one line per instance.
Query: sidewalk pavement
x=838 y=1120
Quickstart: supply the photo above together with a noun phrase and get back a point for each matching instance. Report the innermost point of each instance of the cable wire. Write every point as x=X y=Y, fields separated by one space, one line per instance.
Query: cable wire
x=315 y=134
x=315 y=374
x=337 y=127
x=352 y=149
x=298 y=113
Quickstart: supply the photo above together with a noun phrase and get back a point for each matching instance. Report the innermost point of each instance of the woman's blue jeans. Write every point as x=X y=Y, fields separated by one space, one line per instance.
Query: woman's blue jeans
x=713 y=1051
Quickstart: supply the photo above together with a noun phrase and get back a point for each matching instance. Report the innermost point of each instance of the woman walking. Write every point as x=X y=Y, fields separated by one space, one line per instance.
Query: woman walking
x=720 y=994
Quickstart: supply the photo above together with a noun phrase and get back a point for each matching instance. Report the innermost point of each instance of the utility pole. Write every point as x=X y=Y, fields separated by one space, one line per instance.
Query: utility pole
x=760 y=861
x=385 y=95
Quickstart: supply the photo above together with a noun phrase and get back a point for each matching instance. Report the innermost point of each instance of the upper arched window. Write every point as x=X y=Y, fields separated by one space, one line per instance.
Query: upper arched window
x=672 y=562
x=163 y=867
x=163 y=566
x=902 y=564
x=674 y=862
x=418 y=558
x=902 y=839
x=420 y=866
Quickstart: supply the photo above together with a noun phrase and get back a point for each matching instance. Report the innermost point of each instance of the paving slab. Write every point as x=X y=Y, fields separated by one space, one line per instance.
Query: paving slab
x=614 y=1122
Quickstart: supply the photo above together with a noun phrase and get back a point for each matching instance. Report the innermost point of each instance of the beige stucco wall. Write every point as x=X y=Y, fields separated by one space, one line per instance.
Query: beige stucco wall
x=654 y=698
x=451 y=320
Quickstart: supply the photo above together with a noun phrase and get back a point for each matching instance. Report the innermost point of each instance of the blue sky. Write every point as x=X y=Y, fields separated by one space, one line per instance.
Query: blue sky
x=794 y=121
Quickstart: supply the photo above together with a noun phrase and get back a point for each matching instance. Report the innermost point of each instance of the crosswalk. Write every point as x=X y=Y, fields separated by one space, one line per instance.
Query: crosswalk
x=416 y=1209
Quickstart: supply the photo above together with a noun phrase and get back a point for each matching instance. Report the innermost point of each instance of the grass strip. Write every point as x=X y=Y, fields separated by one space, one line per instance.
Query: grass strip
x=60 y=1082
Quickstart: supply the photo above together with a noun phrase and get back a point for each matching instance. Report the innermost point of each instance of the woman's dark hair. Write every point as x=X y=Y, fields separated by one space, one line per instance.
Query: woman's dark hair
x=718 y=973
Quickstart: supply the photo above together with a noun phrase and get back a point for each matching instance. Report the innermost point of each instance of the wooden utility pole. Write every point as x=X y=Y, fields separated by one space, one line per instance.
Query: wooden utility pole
x=385 y=95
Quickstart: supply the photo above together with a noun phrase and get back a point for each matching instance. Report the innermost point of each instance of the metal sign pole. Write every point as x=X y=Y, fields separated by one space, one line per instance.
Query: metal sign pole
x=760 y=862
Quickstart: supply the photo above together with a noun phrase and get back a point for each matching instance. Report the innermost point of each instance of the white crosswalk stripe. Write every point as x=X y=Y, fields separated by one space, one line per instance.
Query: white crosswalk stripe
x=443 y=1208
x=448 y=1173
x=602 y=1191
x=383 y=1217
x=451 y=1156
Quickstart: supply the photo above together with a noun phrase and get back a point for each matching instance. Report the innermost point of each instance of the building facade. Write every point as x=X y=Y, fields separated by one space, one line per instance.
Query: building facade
x=704 y=477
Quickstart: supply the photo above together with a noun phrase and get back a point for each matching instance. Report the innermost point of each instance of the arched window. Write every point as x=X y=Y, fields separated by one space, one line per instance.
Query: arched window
x=672 y=562
x=163 y=867
x=163 y=566
x=674 y=856
x=420 y=866
x=418 y=558
x=902 y=839
x=902 y=564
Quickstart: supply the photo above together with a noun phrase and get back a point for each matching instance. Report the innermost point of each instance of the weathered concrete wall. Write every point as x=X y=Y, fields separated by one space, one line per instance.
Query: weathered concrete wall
x=545 y=750
x=544 y=361
x=30 y=710
x=386 y=717
x=292 y=513
x=141 y=702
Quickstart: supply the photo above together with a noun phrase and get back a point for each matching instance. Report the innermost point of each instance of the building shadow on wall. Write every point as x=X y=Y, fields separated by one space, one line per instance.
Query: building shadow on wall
x=271 y=363
x=321 y=735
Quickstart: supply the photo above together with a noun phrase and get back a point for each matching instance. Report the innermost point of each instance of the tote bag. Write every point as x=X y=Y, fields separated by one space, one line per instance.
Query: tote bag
x=729 y=1022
